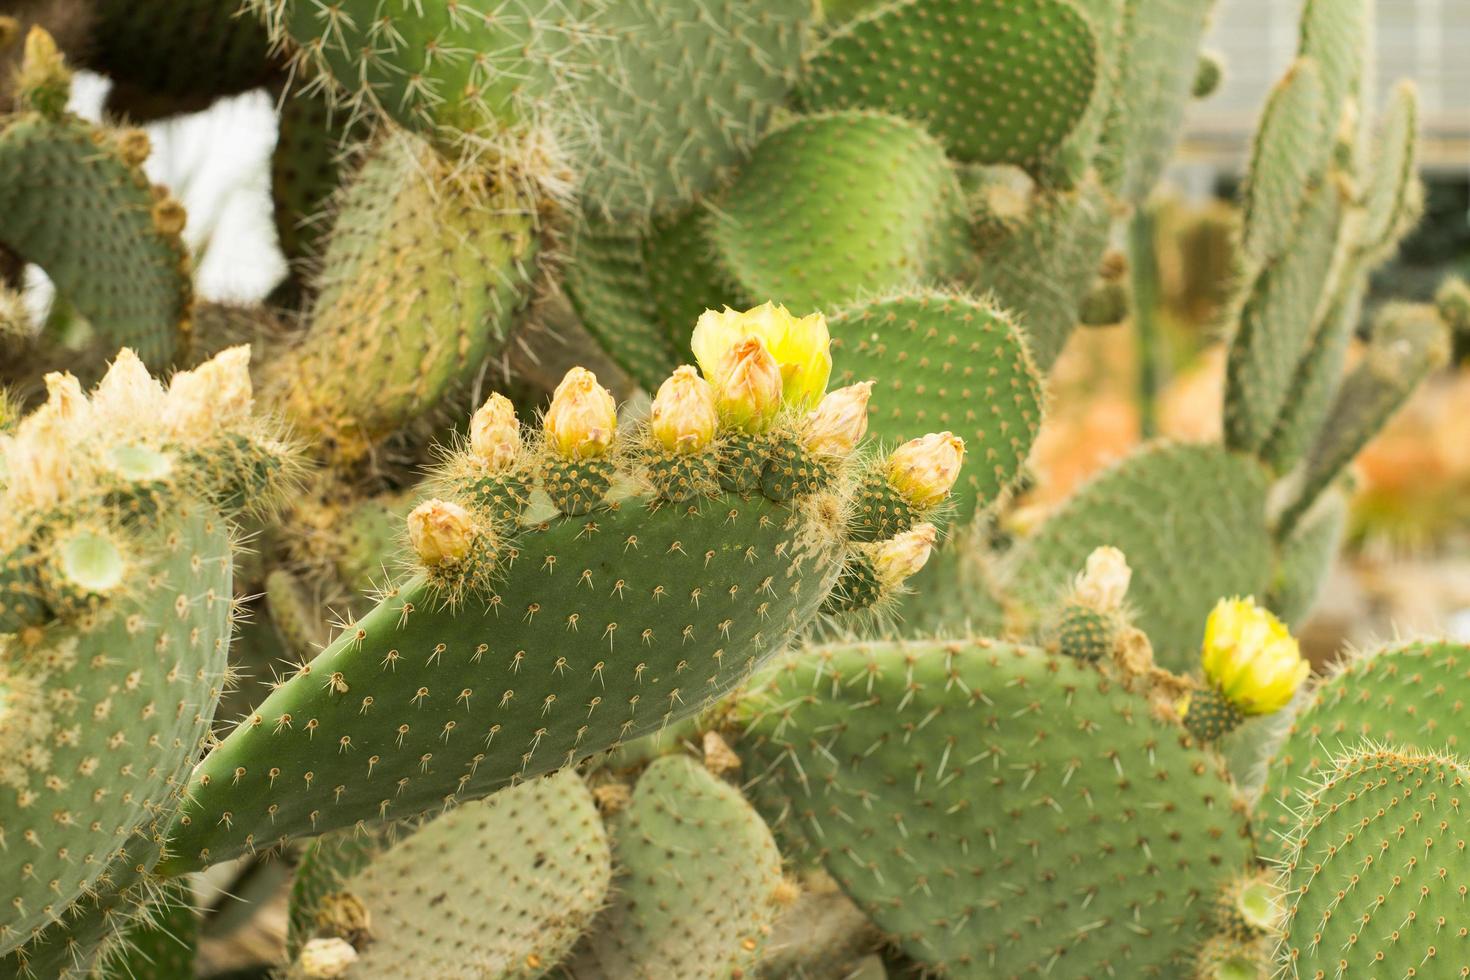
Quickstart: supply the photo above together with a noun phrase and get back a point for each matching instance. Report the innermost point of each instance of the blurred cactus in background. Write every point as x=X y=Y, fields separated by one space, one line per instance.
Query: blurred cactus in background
x=726 y=651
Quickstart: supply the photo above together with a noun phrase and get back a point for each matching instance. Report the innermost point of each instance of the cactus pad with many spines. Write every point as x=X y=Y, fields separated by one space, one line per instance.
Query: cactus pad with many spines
x=1192 y=521
x=1376 y=870
x=832 y=205
x=984 y=804
x=921 y=59
x=698 y=874
x=1413 y=695
x=1287 y=157
x=945 y=362
x=500 y=888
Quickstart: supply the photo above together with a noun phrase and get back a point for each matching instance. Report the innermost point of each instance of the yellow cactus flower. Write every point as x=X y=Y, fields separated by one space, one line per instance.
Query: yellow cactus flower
x=684 y=416
x=924 y=469
x=748 y=393
x=1251 y=657
x=839 y=421
x=582 y=420
x=904 y=554
x=801 y=347
x=495 y=433
x=440 y=531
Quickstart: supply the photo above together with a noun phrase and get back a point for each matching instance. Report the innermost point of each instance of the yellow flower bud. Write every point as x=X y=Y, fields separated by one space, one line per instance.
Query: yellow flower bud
x=1251 y=657
x=684 y=416
x=748 y=391
x=924 y=469
x=495 y=433
x=839 y=421
x=582 y=420
x=1104 y=583
x=904 y=554
x=440 y=531
x=801 y=347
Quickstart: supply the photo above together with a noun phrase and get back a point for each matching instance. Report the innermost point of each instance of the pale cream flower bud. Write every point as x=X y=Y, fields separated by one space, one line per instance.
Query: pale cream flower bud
x=327 y=959
x=1104 y=583
x=582 y=420
x=440 y=531
x=904 y=554
x=839 y=421
x=212 y=396
x=684 y=417
x=495 y=433
x=748 y=385
x=924 y=469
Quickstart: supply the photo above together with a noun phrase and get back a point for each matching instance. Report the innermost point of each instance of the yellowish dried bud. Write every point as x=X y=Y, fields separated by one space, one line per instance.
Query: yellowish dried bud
x=440 y=531
x=719 y=758
x=684 y=417
x=43 y=81
x=495 y=433
x=64 y=396
x=133 y=146
x=1104 y=583
x=748 y=385
x=212 y=396
x=327 y=959
x=839 y=421
x=924 y=469
x=169 y=216
x=582 y=420
x=800 y=346
x=9 y=31
x=904 y=554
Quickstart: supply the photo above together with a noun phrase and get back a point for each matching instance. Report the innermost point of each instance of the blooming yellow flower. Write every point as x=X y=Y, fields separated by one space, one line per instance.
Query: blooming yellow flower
x=495 y=433
x=1251 y=657
x=839 y=421
x=924 y=469
x=583 y=418
x=801 y=347
x=683 y=417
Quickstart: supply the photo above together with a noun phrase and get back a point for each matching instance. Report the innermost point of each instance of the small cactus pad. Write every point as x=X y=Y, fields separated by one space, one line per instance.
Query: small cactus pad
x=684 y=91
x=1085 y=633
x=836 y=204
x=1393 y=198
x=982 y=803
x=523 y=872
x=1192 y=521
x=1413 y=695
x=698 y=875
x=945 y=362
x=1287 y=160
x=1338 y=36
x=74 y=200
x=421 y=276
x=664 y=609
x=920 y=59
x=94 y=744
x=1376 y=870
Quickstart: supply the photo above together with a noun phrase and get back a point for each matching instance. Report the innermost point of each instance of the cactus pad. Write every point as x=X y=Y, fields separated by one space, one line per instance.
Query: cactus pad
x=918 y=59
x=698 y=875
x=1393 y=197
x=1192 y=521
x=945 y=362
x=836 y=204
x=1287 y=157
x=1003 y=765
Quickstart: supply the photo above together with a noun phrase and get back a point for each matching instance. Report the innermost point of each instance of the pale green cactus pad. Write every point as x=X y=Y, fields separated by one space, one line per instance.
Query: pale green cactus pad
x=696 y=884
x=1291 y=146
x=918 y=59
x=967 y=796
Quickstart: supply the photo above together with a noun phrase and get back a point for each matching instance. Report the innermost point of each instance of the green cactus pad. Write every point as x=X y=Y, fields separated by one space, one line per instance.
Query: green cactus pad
x=1409 y=340
x=684 y=276
x=661 y=612
x=919 y=59
x=73 y=205
x=1211 y=715
x=684 y=91
x=1275 y=324
x=1190 y=519
x=945 y=362
x=421 y=277
x=982 y=804
x=1041 y=272
x=1411 y=695
x=525 y=872
x=93 y=745
x=306 y=170
x=833 y=205
x=1305 y=558
x=1287 y=161
x=698 y=874
x=1338 y=36
x=173 y=56
x=1376 y=870
x=1393 y=199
